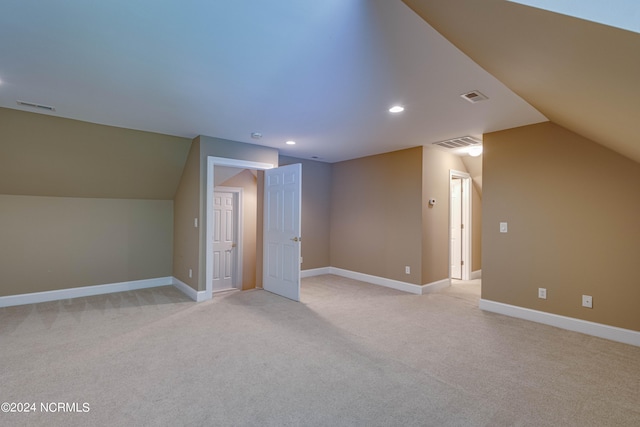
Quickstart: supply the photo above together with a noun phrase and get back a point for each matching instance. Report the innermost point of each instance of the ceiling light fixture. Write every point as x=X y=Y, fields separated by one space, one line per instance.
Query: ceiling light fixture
x=475 y=151
x=290 y=143
x=396 y=109
x=256 y=135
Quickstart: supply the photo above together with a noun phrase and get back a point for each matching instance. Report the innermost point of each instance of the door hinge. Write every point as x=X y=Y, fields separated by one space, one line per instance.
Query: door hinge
x=461 y=225
x=461 y=262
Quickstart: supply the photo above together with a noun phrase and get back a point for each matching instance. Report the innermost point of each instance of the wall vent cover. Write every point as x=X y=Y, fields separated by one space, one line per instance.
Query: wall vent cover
x=474 y=96
x=35 y=105
x=461 y=142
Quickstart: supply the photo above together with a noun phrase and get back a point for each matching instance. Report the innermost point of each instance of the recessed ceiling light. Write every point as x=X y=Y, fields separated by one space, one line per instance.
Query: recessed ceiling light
x=396 y=109
x=290 y=143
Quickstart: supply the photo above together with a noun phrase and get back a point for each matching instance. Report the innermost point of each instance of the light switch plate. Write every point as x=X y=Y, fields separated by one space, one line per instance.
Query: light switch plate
x=504 y=227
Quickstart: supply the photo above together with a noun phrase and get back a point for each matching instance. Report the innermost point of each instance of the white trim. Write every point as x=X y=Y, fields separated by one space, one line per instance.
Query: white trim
x=315 y=272
x=84 y=291
x=380 y=281
x=466 y=220
x=220 y=161
x=612 y=333
x=476 y=275
x=238 y=197
x=436 y=286
x=197 y=296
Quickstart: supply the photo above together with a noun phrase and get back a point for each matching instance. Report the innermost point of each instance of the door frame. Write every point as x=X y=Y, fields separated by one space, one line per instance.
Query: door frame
x=211 y=162
x=466 y=220
x=238 y=219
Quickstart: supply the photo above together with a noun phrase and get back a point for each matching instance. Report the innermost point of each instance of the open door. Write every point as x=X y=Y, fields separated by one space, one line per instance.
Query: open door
x=460 y=225
x=455 y=223
x=282 y=202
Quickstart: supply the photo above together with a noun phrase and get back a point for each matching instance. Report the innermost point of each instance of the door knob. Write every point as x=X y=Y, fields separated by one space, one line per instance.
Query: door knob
x=297 y=239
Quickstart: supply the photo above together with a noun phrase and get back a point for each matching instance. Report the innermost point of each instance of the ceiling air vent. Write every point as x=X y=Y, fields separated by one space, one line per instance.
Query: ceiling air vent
x=34 y=105
x=455 y=143
x=474 y=96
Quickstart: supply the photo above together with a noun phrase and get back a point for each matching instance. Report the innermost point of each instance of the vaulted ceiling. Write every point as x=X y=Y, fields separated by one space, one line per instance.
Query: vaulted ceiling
x=322 y=73
x=581 y=75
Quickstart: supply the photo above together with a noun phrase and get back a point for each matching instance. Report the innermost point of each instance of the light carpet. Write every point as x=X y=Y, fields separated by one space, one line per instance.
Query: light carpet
x=350 y=354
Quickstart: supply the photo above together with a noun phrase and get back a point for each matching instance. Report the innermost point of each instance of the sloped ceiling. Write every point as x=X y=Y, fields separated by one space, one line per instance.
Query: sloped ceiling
x=581 y=75
x=42 y=155
x=323 y=73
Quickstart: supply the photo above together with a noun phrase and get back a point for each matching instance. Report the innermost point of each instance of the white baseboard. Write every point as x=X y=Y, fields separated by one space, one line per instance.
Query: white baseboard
x=315 y=272
x=476 y=274
x=197 y=296
x=612 y=333
x=85 y=291
x=376 y=280
x=380 y=281
x=436 y=286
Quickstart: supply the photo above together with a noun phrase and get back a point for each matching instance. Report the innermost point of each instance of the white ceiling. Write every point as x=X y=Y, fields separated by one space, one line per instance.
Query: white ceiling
x=322 y=73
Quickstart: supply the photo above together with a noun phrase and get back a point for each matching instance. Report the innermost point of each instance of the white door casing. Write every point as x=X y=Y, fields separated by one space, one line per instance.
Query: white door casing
x=282 y=231
x=465 y=240
x=224 y=240
x=455 y=227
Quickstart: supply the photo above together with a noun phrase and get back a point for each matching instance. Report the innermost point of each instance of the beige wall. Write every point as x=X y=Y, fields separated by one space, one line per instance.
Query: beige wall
x=50 y=243
x=247 y=181
x=43 y=155
x=316 y=211
x=49 y=156
x=572 y=207
x=435 y=231
x=376 y=215
x=476 y=230
x=186 y=237
x=83 y=204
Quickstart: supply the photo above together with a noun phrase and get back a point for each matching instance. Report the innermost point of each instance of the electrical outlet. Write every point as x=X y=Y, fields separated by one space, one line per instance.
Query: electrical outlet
x=407 y=269
x=542 y=293
x=587 y=301
x=190 y=273
x=195 y=222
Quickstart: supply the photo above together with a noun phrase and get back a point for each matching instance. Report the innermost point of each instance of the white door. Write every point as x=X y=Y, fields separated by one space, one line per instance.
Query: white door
x=281 y=269
x=456 y=229
x=223 y=241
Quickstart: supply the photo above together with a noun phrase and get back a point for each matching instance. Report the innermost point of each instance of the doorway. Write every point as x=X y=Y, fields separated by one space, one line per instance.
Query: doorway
x=281 y=258
x=459 y=225
x=212 y=162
